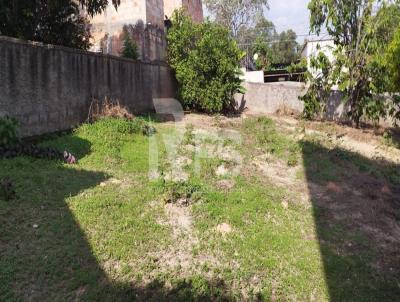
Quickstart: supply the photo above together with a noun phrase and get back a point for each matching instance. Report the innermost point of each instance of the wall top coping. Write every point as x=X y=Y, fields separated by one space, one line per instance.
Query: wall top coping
x=34 y=44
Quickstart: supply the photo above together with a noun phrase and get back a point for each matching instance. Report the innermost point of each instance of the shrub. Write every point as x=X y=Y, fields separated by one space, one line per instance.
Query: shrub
x=7 y=191
x=206 y=63
x=8 y=131
x=107 y=108
x=185 y=191
x=129 y=47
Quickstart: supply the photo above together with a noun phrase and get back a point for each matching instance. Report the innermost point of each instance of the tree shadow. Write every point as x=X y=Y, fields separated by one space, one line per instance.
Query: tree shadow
x=356 y=208
x=394 y=134
x=44 y=253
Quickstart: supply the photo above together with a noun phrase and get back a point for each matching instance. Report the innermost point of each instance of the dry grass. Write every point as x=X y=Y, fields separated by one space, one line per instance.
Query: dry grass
x=107 y=108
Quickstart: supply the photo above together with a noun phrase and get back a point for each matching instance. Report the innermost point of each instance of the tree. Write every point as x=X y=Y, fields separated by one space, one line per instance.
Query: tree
x=354 y=27
x=206 y=63
x=286 y=47
x=50 y=21
x=392 y=60
x=390 y=63
x=129 y=48
x=276 y=49
x=94 y=7
x=236 y=14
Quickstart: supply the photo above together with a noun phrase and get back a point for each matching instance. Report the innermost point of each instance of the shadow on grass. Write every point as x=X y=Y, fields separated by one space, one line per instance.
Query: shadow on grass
x=44 y=253
x=356 y=206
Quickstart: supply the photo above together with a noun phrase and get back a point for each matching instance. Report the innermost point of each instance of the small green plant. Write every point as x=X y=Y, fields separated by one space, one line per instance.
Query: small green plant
x=7 y=191
x=176 y=191
x=188 y=139
x=8 y=131
x=129 y=48
x=270 y=139
x=389 y=141
x=318 y=93
x=292 y=159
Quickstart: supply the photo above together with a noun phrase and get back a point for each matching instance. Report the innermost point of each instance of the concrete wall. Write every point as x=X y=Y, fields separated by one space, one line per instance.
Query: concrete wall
x=253 y=76
x=284 y=96
x=50 y=88
x=271 y=97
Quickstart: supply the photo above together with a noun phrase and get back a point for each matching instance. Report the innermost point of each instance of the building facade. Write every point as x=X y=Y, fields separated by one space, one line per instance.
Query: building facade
x=143 y=20
x=194 y=8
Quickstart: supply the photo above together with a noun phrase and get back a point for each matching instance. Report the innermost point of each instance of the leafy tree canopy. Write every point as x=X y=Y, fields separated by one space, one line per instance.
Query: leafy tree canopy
x=273 y=48
x=236 y=14
x=206 y=62
x=361 y=30
x=50 y=21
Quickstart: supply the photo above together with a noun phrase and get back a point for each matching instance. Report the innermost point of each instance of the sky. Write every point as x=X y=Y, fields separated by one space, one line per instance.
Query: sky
x=286 y=14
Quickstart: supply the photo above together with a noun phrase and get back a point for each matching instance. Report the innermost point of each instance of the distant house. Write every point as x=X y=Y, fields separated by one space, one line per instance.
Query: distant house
x=313 y=47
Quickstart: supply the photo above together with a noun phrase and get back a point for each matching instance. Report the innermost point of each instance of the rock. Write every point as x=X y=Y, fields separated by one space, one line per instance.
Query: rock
x=35 y=226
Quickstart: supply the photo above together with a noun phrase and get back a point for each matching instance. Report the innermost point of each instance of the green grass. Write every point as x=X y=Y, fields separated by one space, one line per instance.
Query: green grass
x=100 y=234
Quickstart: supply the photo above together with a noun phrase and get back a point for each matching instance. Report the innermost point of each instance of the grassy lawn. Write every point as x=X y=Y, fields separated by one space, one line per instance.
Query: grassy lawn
x=244 y=210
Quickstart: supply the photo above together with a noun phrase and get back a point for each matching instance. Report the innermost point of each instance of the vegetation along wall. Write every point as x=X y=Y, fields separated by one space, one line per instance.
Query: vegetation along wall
x=50 y=88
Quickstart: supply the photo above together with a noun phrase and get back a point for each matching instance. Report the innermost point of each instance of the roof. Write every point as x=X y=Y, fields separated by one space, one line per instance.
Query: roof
x=315 y=40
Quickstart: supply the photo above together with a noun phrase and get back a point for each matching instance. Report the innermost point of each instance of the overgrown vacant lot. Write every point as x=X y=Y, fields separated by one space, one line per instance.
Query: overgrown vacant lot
x=243 y=209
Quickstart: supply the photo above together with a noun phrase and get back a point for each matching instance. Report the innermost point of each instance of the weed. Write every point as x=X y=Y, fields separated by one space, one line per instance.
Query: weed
x=107 y=108
x=8 y=131
x=268 y=137
x=389 y=141
x=176 y=191
x=189 y=136
x=7 y=191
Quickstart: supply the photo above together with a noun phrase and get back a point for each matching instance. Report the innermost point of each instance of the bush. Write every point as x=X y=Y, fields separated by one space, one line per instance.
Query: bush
x=206 y=63
x=8 y=131
x=129 y=47
x=107 y=108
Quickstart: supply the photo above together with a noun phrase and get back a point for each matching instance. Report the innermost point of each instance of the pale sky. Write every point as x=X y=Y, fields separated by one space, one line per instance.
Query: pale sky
x=286 y=14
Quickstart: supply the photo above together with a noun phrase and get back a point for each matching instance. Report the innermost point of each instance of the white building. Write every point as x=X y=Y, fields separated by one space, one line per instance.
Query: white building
x=313 y=47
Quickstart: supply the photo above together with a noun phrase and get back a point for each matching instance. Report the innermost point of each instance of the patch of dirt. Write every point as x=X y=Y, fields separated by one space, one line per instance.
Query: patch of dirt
x=356 y=202
x=333 y=187
x=178 y=172
x=180 y=219
x=224 y=228
x=276 y=170
x=221 y=171
x=366 y=142
x=180 y=255
x=124 y=183
x=111 y=181
x=204 y=121
x=225 y=184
